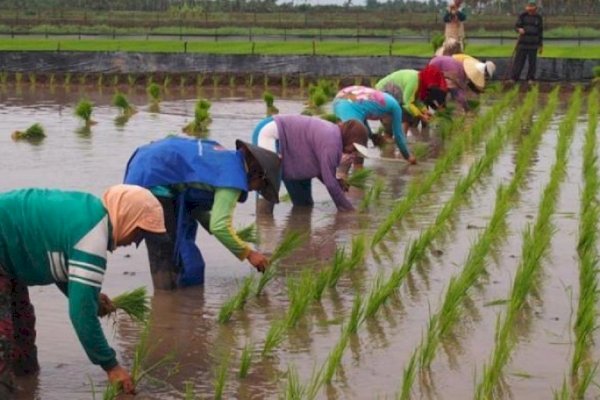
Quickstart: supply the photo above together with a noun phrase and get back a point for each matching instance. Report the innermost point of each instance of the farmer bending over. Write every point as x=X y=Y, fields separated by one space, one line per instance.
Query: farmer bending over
x=311 y=147
x=200 y=181
x=51 y=236
x=363 y=103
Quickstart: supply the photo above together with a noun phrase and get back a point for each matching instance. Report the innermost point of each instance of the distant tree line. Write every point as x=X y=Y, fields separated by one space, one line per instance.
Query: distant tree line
x=551 y=7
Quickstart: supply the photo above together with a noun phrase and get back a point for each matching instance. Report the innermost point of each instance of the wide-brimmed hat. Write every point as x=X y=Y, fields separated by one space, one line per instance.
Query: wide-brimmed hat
x=270 y=164
x=475 y=71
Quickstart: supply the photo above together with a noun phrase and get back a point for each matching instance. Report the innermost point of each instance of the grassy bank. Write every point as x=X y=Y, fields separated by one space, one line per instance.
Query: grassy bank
x=279 y=47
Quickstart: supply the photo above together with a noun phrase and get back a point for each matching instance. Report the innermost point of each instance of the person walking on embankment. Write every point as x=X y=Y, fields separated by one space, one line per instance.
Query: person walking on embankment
x=200 y=181
x=57 y=237
x=530 y=27
x=311 y=147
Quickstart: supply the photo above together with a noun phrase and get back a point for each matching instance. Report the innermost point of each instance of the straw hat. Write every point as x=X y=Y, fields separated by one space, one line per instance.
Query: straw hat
x=475 y=71
x=270 y=164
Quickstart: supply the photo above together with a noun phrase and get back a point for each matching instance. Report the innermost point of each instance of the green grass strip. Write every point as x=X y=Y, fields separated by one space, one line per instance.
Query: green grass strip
x=443 y=165
x=536 y=242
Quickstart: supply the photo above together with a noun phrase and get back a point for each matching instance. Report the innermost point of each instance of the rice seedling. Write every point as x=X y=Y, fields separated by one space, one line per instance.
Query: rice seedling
x=266 y=81
x=320 y=284
x=84 y=111
x=34 y=133
x=269 y=102
x=153 y=91
x=246 y=360
x=275 y=336
x=200 y=78
x=293 y=389
x=249 y=80
x=167 y=81
x=201 y=120
x=536 y=241
x=131 y=79
x=355 y=315
x=335 y=356
x=358 y=178
x=221 y=376
x=18 y=78
x=337 y=267
x=408 y=377
x=301 y=83
x=249 y=234
x=442 y=165
x=237 y=301
x=284 y=81
x=100 y=80
x=182 y=81
x=299 y=293
x=116 y=79
x=120 y=101
x=216 y=79
x=32 y=78
x=82 y=79
x=134 y=303
x=3 y=77
x=420 y=150
x=52 y=79
x=67 y=80
x=189 y=393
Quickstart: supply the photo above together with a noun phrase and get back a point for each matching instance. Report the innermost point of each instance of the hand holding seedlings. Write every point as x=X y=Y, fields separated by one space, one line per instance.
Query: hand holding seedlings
x=105 y=305
x=118 y=375
x=258 y=260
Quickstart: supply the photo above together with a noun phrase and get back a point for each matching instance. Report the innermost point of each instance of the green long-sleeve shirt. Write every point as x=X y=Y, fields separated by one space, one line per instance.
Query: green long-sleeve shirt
x=408 y=81
x=51 y=236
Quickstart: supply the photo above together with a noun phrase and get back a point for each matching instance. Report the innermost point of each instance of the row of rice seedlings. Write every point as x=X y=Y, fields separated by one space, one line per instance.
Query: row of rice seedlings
x=373 y=194
x=270 y=103
x=582 y=365
x=246 y=360
x=443 y=165
x=35 y=133
x=220 y=378
x=443 y=321
x=417 y=248
x=536 y=242
x=202 y=119
x=299 y=290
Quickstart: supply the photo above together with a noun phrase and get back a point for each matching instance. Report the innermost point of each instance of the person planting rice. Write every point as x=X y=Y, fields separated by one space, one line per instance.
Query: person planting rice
x=462 y=74
x=363 y=103
x=408 y=86
x=52 y=236
x=200 y=181
x=311 y=147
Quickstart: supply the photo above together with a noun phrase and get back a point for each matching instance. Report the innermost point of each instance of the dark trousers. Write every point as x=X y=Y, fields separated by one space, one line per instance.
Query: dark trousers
x=161 y=255
x=519 y=62
x=18 y=352
x=300 y=192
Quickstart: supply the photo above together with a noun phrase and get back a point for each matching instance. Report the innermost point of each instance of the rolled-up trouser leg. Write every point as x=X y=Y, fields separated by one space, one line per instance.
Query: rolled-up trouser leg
x=163 y=268
x=25 y=361
x=6 y=338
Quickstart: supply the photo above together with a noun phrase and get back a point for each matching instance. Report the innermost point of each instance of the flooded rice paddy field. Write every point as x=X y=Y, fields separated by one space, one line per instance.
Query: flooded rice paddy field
x=375 y=362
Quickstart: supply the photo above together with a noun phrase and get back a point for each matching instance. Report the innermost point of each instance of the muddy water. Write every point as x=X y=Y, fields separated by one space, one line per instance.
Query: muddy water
x=184 y=322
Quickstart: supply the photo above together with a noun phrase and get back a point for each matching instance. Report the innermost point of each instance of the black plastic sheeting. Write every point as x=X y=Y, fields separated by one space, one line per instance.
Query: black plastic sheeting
x=549 y=69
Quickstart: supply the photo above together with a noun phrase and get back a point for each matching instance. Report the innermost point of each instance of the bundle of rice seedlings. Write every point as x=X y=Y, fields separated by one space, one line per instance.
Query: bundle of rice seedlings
x=249 y=234
x=120 y=101
x=270 y=103
x=201 y=118
x=84 y=111
x=473 y=104
x=34 y=133
x=135 y=303
x=359 y=178
x=330 y=117
x=153 y=91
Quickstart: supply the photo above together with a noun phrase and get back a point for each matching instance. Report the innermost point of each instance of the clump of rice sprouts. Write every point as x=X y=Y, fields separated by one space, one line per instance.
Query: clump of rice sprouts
x=199 y=126
x=84 y=111
x=358 y=179
x=330 y=117
x=153 y=91
x=34 y=133
x=270 y=103
x=135 y=303
x=120 y=101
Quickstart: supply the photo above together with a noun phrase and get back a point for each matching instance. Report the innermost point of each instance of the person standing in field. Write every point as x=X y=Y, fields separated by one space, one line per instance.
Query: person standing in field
x=311 y=147
x=530 y=27
x=200 y=181
x=58 y=237
x=454 y=31
x=364 y=103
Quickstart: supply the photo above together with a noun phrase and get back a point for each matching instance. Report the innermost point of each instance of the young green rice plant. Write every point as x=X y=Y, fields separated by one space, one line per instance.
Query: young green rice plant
x=299 y=293
x=293 y=388
x=34 y=133
x=200 y=78
x=32 y=78
x=189 y=393
x=536 y=241
x=237 y=301
x=18 y=78
x=356 y=315
x=232 y=81
x=153 y=91
x=67 y=80
x=221 y=376
x=246 y=360
x=249 y=80
x=82 y=78
x=182 y=81
x=131 y=79
x=202 y=118
x=100 y=81
x=335 y=356
x=284 y=81
x=167 y=81
x=116 y=79
x=266 y=81
x=52 y=79
x=442 y=165
x=358 y=178
x=420 y=150
x=141 y=369
x=275 y=336
x=270 y=103
x=84 y=111
x=337 y=267
x=408 y=377
x=216 y=79
x=120 y=101
x=3 y=77
x=134 y=303
x=249 y=234
x=320 y=284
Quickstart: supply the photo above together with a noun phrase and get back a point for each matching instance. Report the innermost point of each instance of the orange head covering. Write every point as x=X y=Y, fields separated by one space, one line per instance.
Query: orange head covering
x=130 y=207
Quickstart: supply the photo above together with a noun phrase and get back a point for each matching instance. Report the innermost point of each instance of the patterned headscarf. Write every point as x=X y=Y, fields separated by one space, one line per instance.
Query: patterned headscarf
x=429 y=77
